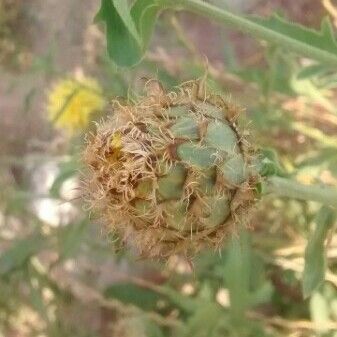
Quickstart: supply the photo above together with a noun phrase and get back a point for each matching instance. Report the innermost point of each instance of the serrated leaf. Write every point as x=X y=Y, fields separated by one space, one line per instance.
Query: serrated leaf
x=315 y=44
x=314 y=258
x=127 y=45
x=20 y=251
x=320 y=45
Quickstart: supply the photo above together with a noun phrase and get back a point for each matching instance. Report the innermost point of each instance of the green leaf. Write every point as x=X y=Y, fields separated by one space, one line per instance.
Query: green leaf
x=268 y=163
x=123 y=41
x=323 y=40
x=261 y=289
x=237 y=275
x=144 y=14
x=130 y=293
x=123 y=11
x=128 y=31
x=20 y=251
x=262 y=295
x=315 y=264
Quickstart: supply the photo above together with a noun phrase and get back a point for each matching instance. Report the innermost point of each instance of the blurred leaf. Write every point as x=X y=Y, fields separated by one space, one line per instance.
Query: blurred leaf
x=137 y=324
x=327 y=81
x=70 y=238
x=237 y=274
x=16 y=202
x=319 y=310
x=150 y=328
x=203 y=323
x=183 y=302
x=130 y=293
x=333 y=166
x=333 y=306
x=20 y=251
x=67 y=170
x=281 y=75
x=261 y=289
x=260 y=77
x=315 y=264
x=319 y=158
x=261 y=295
x=245 y=279
x=311 y=71
x=316 y=134
x=306 y=87
x=268 y=163
x=37 y=301
x=205 y=292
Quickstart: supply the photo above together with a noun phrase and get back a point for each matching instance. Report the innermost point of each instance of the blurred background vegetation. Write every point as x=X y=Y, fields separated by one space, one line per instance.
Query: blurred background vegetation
x=59 y=273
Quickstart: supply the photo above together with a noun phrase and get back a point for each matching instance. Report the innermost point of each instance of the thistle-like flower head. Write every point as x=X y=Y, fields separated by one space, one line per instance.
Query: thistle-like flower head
x=171 y=174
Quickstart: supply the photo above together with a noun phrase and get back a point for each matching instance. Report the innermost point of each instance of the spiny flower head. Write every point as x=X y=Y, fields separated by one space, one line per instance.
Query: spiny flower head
x=171 y=173
x=71 y=102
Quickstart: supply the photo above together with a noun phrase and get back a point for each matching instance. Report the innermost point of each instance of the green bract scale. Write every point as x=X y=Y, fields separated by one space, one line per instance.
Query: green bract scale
x=171 y=174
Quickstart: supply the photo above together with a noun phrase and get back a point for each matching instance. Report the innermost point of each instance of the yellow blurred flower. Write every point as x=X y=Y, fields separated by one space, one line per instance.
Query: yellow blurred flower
x=72 y=101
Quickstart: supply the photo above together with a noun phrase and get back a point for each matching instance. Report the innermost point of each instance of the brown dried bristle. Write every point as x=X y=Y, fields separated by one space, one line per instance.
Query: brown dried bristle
x=171 y=174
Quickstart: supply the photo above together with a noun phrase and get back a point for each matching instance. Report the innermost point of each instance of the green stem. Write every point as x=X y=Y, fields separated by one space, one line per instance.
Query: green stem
x=284 y=187
x=249 y=26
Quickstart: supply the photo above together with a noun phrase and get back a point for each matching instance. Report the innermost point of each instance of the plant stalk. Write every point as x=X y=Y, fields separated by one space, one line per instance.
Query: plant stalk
x=249 y=26
x=289 y=188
